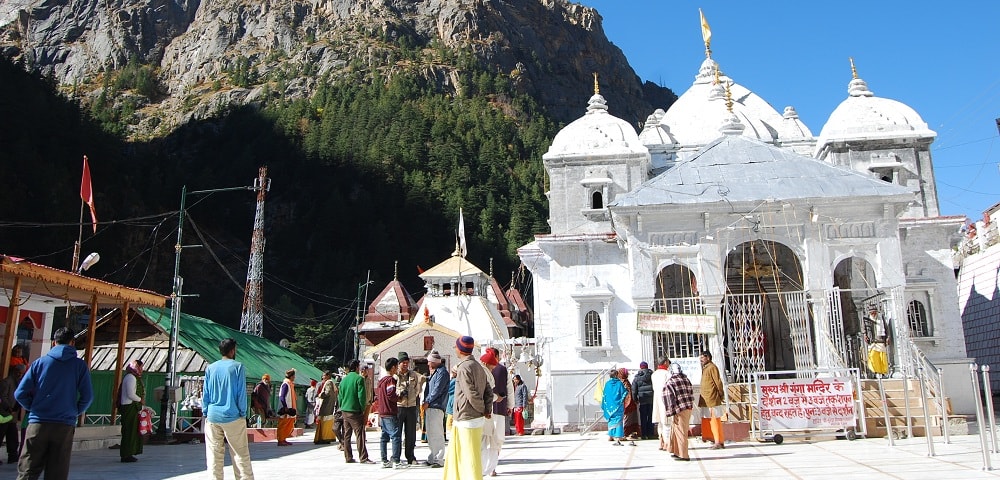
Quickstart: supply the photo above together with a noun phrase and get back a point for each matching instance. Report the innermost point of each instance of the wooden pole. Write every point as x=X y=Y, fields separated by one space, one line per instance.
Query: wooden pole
x=12 y=311
x=89 y=354
x=122 y=337
x=92 y=327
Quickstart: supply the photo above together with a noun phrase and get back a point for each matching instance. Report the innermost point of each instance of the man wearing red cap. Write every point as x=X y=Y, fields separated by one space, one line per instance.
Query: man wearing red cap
x=494 y=435
x=472 y=409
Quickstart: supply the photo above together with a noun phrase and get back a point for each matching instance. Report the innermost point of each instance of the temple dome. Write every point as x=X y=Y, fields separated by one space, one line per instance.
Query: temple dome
x=596 y=133
x=863 y=116
x=694 y=119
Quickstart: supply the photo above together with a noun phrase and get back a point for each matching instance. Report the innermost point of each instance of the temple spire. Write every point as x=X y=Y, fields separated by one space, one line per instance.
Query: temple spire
x=854 y=71
x=597 y=88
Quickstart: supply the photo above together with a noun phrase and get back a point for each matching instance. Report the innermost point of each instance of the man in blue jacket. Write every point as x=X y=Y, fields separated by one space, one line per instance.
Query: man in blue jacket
x=435 y=401
x=224 y=399
x=56 y=390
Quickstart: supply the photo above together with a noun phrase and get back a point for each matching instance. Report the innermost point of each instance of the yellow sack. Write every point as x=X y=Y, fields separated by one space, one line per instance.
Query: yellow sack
x=599 y=389
x=878 y=359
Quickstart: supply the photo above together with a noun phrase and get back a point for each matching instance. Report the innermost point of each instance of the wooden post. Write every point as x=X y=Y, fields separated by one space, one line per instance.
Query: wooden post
x=89 y=355
x=122 y=337
x=12 y=311
x=92 y=326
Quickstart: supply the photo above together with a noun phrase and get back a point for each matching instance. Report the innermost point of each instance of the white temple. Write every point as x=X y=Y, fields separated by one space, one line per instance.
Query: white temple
x=725 y=225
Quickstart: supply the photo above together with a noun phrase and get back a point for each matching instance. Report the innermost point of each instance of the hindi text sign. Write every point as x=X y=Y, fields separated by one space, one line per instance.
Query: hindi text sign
x=800 y=404
x=676 y=322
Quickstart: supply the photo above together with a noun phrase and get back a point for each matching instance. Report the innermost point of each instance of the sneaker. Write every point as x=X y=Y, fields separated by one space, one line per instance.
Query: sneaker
x=129 y=459
x=402 y=465
x=386 y=464
x=368 y=462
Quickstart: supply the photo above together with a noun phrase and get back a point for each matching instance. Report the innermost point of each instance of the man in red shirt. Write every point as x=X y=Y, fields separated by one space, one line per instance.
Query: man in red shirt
x=385 y=406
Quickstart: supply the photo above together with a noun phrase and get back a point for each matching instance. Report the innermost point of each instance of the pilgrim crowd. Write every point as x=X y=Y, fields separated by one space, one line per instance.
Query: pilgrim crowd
x=474 y=401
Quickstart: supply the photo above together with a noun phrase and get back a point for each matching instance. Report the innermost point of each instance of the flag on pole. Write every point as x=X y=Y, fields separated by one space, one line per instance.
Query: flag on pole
x=462 y=249
x=706 y=32
x=87 y=192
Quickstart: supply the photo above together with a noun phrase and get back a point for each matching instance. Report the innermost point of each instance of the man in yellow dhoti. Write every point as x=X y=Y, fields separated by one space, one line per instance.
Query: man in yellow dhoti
x=472 y=408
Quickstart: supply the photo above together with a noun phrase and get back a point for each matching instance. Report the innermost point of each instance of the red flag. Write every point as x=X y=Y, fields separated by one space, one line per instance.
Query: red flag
x=87 y=192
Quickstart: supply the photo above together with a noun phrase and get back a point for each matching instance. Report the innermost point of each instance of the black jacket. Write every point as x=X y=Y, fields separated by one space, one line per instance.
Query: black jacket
x=642 y=386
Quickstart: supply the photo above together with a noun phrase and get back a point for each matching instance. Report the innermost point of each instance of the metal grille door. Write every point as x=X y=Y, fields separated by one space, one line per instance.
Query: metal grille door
x=797 y=311
x=744 y=322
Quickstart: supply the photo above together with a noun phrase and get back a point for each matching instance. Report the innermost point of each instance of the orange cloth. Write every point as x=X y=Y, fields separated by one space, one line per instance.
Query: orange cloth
x=285 y=426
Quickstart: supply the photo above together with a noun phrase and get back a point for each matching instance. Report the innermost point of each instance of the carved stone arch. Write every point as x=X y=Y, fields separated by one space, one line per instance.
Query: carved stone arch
x=868 y=256
x=675 y=280
x=766 y=320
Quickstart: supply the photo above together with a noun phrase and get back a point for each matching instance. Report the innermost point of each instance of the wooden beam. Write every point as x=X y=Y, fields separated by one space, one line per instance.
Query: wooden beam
x=12 y=312
x=77 y=288
x=89 y=355
x=92 y=327
x=122 y=338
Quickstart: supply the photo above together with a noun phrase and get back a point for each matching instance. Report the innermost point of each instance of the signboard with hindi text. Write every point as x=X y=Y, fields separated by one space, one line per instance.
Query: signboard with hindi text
x=803 y=403
x=676 y=322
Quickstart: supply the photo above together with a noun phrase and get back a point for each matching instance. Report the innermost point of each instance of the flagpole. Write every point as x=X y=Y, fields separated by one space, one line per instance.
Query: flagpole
x=79 y=239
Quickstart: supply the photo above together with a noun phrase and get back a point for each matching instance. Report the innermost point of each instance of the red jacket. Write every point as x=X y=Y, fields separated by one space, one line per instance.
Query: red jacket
x=385 y=397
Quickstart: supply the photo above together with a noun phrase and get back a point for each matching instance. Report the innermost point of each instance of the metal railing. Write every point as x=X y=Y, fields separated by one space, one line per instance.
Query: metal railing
x=681 y=305
x=583 y=422
x=932 y=381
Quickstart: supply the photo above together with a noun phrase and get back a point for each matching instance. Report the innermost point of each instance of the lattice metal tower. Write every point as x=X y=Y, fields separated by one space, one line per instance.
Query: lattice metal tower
x=252 y=320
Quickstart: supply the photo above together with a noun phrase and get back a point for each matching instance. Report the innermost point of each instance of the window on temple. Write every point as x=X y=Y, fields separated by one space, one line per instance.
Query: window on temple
x=596 y=200
x=917 y=317
x=592 y=329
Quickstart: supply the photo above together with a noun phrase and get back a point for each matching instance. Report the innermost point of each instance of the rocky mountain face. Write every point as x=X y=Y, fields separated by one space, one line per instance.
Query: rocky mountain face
x=208 y=54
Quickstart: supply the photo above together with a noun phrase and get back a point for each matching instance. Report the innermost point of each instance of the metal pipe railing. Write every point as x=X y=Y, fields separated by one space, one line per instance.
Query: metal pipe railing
x=943 y=407
x=885 y=411
x=927 y=415
x=988 y=389
x=979 y=417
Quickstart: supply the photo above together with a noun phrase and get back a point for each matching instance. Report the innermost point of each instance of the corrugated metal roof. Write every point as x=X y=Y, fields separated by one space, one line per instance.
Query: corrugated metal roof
x=153 y=355
x=736 y=168
x=201 y=337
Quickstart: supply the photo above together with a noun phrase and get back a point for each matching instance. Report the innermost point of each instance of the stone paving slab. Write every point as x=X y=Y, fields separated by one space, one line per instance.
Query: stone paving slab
x=571 y=456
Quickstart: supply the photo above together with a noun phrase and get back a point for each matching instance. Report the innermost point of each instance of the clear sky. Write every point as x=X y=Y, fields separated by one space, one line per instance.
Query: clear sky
x=942 y=58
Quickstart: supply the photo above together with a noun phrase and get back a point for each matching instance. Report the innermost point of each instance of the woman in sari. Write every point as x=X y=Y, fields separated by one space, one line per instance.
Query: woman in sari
x=326 y=401
x=631 y=408
x=130 y=398
x=286 y=419
x=613 y=407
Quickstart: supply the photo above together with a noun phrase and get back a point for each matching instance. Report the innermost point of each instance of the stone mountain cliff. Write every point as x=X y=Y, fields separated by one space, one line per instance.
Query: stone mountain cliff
x=213 y=53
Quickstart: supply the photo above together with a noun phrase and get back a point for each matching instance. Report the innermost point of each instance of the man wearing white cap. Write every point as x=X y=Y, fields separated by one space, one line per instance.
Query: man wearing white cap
x=435 y=400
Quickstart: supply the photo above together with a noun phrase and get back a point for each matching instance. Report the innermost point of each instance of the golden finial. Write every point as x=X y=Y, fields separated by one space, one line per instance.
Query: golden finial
x=597 y=88
x=395 y=270
x=729 y=97
x=854 y=71
x=717 y=73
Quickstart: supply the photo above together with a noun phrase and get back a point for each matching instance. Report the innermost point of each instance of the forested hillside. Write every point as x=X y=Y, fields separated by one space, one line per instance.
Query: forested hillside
x=377 y=121
x=364 y=175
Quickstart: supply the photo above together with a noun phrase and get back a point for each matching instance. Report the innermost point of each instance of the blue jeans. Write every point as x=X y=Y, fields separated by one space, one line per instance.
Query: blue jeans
x=390 y=431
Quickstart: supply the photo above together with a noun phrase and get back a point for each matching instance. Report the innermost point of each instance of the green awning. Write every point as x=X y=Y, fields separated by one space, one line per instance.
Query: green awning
x=258 y=355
